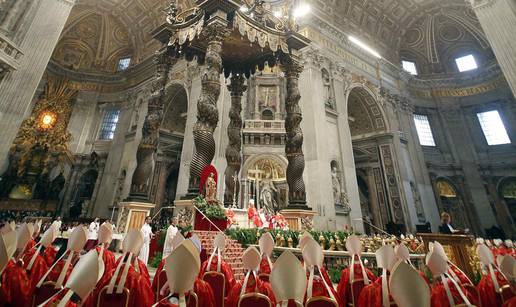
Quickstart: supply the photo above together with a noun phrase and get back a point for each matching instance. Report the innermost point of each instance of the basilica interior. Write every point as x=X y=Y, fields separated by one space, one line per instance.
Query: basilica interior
x=405 y=109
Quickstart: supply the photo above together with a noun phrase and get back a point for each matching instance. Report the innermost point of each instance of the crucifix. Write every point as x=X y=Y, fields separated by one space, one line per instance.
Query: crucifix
x=256 y=177
x=235 y=178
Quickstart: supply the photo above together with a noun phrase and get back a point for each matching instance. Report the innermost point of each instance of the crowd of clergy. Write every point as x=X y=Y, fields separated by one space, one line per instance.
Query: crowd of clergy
x=33 y=273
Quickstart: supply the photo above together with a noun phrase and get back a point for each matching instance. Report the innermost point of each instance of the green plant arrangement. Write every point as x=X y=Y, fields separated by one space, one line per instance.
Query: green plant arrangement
x=251 y=236
x=213 y=212
x=154 y=262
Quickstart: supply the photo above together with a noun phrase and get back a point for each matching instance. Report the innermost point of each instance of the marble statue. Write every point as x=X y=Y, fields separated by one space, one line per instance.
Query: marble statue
x=210 y=189
x=267 y=199
x=335 y=181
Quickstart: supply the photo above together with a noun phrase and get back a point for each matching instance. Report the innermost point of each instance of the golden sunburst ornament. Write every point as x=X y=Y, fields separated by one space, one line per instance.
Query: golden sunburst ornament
x=47 y=120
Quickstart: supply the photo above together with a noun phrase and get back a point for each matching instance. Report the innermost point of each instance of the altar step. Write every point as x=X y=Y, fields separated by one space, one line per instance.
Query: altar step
x=232 y=254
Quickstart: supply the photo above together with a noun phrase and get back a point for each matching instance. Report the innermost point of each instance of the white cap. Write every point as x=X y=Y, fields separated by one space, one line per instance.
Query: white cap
x=407 y=287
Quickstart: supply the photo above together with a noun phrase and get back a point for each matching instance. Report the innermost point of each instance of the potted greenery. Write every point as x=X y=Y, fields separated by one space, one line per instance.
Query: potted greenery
x=214 y=212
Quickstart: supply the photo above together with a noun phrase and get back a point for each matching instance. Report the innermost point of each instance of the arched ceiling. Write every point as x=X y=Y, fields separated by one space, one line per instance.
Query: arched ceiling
x=364 y=113
x=391 y=26
x=436 y=38
x=99 y=32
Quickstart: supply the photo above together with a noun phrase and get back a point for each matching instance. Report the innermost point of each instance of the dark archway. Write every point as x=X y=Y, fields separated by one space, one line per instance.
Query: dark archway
x=451 y=201
x=507 y=192
x=83 y=194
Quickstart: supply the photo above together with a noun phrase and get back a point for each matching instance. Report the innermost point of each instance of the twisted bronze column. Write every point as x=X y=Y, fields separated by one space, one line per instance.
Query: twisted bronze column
x=145 y=156
x=233 y=150
x=294 y=138
x=207 y=112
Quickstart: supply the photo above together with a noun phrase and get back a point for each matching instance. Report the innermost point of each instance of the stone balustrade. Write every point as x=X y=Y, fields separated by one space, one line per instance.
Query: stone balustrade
x=9 y=56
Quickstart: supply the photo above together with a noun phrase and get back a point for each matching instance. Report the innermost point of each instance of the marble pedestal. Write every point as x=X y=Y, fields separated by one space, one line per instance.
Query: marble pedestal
x=299 y=219
x=131 y=215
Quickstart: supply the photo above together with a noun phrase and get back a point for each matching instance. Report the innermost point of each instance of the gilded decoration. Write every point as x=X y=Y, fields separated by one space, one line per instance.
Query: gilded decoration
x=445 y=189
x=267 y=168
x=41 y=143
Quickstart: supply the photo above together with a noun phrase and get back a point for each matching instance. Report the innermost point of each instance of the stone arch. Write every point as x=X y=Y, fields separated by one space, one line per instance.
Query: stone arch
x=450 y=199
x=506 y=189
x=175 y=108
x=366 y=114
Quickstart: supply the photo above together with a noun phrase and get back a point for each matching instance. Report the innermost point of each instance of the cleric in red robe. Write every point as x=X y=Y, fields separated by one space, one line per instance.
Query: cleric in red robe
x=317 y=284
x=251 y=261
x=15 y=281
x=215 y=263
x=440 y=299
x=16 y=289
x=492 y=281
x=378 y=293
x=438 y=265
x=138 y=286
x=266 y=244
x=38 y=266
x=354 y=246
x=137 y=283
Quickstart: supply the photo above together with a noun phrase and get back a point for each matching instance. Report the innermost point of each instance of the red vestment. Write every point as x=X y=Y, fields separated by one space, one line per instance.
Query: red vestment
x=39 y=268
x=319 y=289
x=440 y=299
x=344 y=287
x=371 y=295
x=57 y=299
x=109 y=259
x=204 y=295
x=201 y=288
x=15 y=286
x=486 y=290
x=253 y=285
x=56 y=271
x=265 y=267
x=138 y=286
x=49 y=254
x=224 y=269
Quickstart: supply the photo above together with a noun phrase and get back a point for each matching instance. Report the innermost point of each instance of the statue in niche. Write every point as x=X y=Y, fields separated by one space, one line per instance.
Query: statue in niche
x=417 y=202
x=210 y=189
x=267 y=195
x=340 y=197
x=328 y=98
x=335 y=181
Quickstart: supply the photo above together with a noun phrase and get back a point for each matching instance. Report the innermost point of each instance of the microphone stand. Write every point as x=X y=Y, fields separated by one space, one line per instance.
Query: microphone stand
x=379 y=229
x=159 y=211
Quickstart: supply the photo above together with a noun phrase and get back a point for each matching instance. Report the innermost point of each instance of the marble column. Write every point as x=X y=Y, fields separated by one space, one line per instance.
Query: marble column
x=146 y=154
x=207 y=111
x=498 y=20
x=294 y=139
x=107 y=189
x=234 y=148
x=18 y=87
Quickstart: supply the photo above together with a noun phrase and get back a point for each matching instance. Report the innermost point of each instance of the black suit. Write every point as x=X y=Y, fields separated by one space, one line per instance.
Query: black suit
x=444 y=229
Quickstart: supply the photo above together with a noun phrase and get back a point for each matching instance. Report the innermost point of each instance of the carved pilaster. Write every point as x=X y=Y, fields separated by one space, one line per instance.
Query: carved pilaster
x=233 y=151
x=207 y=112
x=145 y=156
x=294 y=138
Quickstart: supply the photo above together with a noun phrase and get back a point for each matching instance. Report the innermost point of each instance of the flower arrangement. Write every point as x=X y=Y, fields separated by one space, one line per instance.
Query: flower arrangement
x=212 y=211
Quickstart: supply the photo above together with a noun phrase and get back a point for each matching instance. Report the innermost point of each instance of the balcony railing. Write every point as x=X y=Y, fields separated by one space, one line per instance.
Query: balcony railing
x=268 y=126
x=9 y=55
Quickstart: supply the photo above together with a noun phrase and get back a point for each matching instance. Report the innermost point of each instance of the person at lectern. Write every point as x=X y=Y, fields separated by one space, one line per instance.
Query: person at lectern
x=446 y=227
